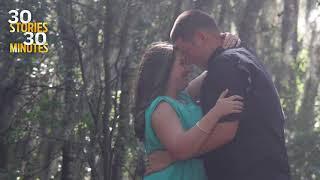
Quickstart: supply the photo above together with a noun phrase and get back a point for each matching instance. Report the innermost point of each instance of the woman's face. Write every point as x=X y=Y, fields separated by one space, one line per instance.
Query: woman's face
x=180 y=71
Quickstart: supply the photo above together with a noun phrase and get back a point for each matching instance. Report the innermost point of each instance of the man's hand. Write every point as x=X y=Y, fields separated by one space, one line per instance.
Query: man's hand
x=157 y=161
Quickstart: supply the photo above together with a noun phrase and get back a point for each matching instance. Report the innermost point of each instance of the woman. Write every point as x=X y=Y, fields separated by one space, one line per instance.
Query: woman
x=172 y=121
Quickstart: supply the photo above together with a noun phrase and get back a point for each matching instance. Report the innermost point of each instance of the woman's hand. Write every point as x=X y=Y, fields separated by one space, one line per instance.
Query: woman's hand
x=157 y=161
x=230 y=40
x=228 y=105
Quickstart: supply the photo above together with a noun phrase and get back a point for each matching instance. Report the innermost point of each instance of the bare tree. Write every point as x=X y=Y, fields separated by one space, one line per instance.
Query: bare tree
x=70 y=169
x=248 y=21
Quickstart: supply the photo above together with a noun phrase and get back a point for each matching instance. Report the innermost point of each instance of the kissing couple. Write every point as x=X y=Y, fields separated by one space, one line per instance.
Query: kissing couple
x=226 y=124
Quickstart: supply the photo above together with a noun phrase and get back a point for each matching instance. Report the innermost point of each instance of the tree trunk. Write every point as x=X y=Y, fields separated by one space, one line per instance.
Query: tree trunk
x=3 y=159
x=126 y=85
x=289 y=46
x=106 y=141
x=11 y=77
x=204 y=5
x=224 y=16
x=69 y=150
x=48 y=146
x=247 y=25
x=306 y=115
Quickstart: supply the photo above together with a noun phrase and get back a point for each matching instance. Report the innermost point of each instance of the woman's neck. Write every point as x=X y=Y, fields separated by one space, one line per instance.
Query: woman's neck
x=171 y=92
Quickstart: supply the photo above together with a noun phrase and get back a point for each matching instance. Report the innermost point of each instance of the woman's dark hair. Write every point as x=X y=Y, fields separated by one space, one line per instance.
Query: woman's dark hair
x=152 y=80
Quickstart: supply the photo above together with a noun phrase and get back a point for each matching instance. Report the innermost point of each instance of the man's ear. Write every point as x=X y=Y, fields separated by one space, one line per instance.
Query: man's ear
x=199 y=38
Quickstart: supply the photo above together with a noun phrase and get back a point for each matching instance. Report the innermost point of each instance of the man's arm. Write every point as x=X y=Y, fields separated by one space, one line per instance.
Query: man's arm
x=225 y=72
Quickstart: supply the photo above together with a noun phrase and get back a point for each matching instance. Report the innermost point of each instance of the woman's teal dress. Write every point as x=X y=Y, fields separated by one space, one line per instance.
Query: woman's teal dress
x=189 y=113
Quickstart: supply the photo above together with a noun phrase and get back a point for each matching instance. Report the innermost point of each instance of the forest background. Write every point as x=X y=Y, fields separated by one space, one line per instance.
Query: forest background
x=67 y=114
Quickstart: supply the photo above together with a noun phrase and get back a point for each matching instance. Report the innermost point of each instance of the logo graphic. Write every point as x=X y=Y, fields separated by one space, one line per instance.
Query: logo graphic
x=34 y=32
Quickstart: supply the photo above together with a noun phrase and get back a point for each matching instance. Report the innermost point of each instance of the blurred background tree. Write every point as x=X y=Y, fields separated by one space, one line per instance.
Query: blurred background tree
x=67 y=114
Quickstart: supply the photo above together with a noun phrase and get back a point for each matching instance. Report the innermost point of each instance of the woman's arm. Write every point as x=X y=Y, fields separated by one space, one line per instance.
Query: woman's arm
x=182 y=144
x=194 y=86
x=220 y=136
x=179 y=143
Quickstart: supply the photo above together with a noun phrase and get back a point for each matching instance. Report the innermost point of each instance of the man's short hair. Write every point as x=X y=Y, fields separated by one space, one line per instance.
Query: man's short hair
x=190 y=21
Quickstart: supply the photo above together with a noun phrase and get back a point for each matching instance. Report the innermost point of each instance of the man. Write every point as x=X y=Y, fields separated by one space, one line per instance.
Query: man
x=257 y=151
